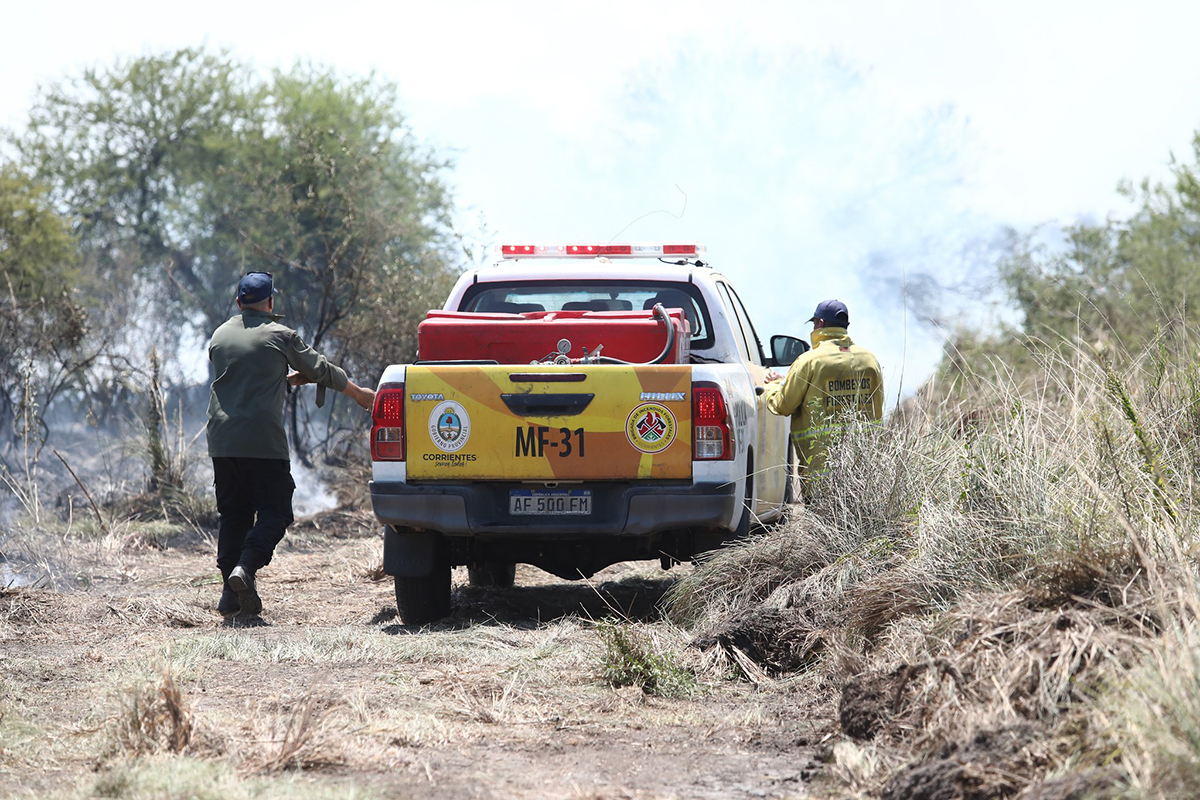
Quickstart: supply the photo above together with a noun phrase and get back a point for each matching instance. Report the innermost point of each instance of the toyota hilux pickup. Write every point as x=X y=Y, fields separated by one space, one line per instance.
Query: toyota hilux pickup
x=571 y=407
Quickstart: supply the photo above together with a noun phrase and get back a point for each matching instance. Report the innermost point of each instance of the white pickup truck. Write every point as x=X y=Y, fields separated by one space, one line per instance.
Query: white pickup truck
x=597 y=451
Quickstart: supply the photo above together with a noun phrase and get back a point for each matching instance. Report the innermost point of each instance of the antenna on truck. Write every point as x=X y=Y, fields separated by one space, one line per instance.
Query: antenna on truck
x=682 y=211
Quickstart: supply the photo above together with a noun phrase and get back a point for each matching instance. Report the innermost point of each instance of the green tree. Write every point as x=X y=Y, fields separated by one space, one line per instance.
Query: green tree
x=1111 y=289
x=37 y=250
x=347 y=210
x=42 y=326
x=136 y=154
x=182 y=171
x=339 y=196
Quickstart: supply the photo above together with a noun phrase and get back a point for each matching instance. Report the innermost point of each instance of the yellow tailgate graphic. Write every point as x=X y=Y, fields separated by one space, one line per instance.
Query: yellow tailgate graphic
x=599 y=422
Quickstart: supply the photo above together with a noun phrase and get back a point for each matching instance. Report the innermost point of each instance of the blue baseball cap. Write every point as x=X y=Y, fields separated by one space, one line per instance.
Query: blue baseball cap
x=833 y=312
x=255 y=287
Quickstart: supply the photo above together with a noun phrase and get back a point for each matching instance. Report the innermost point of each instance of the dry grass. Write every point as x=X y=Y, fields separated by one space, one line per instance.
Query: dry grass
x=488 y=645
x=498 y=702
x=1157 y=714
x=153 y=718
x=328 y=697
x=203 y=779
x=996 y=597
x=989 y=579
x=161 y=611
x=298 y=741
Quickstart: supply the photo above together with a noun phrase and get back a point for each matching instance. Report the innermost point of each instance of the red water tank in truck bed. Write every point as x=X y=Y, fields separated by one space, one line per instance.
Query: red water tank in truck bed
x=636 y=336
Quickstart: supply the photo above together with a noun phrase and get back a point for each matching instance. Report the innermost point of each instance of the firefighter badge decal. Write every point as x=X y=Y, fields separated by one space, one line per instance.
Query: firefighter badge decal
x=650 y=428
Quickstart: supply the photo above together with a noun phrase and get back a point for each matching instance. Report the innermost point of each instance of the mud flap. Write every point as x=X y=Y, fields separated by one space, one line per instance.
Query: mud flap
x=410 y=554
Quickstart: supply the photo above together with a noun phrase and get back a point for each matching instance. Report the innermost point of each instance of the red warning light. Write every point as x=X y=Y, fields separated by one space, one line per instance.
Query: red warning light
x=600 y=249
x=518 y=251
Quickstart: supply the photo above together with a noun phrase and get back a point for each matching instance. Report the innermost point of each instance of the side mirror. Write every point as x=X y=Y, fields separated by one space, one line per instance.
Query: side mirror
x=786 y=349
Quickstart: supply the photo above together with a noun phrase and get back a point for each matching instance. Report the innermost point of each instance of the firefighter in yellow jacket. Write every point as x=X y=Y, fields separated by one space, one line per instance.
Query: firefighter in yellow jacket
x=832 y=382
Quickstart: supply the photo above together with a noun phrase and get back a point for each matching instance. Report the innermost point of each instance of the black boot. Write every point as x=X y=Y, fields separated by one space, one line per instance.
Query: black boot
x=241 y=581
x=229 y=604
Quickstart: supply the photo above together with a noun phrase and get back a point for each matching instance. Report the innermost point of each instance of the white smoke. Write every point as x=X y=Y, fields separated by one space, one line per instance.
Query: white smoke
x=312 y=495
x=805 y=178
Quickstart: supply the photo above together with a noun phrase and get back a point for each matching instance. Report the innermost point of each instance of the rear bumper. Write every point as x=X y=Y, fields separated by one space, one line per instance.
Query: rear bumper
x=617 y=508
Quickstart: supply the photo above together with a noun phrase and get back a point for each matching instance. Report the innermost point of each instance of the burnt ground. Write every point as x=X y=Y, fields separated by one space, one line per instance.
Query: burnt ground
x=327 y=695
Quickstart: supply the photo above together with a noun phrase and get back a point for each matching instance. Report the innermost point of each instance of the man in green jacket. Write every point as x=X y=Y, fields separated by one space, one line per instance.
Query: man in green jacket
x=254 y=360
x=833 y=381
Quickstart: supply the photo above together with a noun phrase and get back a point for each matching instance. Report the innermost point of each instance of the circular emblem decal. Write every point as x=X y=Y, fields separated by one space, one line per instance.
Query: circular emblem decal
x=650 y=427
x=449 y=426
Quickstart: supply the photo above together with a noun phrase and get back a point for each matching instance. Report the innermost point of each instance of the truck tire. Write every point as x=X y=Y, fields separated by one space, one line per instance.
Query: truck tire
x=492 y=574
x=790 y=478
x=424 y=600
x=743 y=527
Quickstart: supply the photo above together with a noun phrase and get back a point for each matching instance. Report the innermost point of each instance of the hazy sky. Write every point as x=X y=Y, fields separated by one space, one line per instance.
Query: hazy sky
x=820 y=145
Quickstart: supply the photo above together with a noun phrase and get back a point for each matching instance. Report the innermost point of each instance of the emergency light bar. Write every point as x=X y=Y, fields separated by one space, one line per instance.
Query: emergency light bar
x=594 y=250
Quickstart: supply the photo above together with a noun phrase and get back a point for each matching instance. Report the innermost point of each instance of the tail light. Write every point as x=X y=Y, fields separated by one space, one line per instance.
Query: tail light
x=387 y=423
x=712 y=435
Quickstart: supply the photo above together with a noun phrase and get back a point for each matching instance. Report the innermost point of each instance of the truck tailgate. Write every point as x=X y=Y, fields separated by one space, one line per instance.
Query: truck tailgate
x=549 y=423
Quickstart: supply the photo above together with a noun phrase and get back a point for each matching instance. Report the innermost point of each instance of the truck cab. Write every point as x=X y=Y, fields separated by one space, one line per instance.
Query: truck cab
x=574 y=406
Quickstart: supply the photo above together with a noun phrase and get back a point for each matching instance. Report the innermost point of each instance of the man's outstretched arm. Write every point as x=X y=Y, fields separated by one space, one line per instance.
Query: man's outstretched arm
x=785 y=396
x=309 y=366
x=360 y=394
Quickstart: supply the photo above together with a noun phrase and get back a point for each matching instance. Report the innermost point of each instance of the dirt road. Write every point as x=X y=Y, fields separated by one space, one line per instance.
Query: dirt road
x=328 y=696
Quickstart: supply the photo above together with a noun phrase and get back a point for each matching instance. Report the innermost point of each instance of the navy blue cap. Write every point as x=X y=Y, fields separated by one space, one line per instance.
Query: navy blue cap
x=833 y=312
x=254 y=287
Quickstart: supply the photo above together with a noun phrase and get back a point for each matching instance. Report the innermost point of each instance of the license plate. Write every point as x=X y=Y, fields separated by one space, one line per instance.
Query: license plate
x=550 y=501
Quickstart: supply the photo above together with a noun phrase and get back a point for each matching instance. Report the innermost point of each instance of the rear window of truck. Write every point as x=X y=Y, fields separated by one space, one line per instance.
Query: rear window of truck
x=529 y=296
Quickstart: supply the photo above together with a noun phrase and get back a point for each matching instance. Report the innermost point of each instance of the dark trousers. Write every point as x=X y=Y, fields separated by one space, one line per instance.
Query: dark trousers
x=254 y=501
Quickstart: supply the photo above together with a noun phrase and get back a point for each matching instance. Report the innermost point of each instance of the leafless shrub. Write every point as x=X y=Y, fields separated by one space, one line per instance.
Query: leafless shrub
x=301 y=745
x=779 y=640
x=490 y=704
x=369 y=567
x=373 y=572
x=153 y=717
